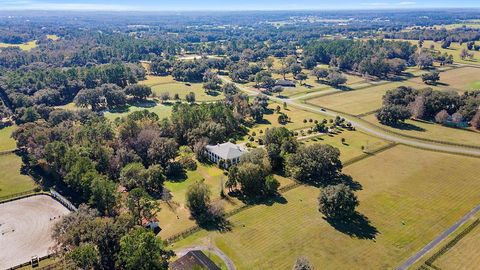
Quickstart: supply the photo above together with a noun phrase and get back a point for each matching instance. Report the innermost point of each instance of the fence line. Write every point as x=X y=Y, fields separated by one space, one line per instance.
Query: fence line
x=19 y=195
x=63 y=200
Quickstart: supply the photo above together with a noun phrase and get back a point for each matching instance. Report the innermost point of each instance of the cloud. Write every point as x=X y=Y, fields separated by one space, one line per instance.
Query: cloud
x=406 y=3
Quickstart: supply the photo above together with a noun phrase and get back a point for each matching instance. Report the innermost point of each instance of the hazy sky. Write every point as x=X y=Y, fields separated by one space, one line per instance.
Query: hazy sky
x=159 y=5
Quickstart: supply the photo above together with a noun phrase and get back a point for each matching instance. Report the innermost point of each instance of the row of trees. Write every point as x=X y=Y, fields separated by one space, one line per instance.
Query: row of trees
x=53 y=87
x=373 y=57
x=404 y=102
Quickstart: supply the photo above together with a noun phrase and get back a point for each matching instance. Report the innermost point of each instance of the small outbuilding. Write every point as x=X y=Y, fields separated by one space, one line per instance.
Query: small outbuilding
x=285 y=83
x=225 y=154
x=194 y=259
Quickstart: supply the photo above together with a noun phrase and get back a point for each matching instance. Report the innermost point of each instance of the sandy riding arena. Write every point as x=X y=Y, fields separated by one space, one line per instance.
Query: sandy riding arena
x=25 y=228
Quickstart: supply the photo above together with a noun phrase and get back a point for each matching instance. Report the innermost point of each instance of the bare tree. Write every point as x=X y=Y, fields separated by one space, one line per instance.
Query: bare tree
x=417 y=107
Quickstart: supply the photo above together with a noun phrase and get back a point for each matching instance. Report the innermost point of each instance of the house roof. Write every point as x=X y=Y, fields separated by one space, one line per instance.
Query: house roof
x=192 y=259
x=226 y=150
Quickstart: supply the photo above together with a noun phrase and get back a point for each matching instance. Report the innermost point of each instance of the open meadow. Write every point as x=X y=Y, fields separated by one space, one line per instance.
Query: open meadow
x=297 y=119
x=7 y=143
x=459 y=79
x=358 y=101
x=162 y=110
x=174 y=216
x=352 y=147
x=458 y=251
x=431 y=131
x=403 y=210
x=27 y=46
x=12 y=181
x=182 y=89
x=454 y=49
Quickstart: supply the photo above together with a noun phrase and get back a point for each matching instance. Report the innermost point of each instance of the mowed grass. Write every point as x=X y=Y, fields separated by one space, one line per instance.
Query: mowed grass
x=454 y=49
x=358 y=101
x=311 y=84
x=175 y=216
x=432 y=131
x=182 y=89
x=27 y=46
x=156 y=80
x=409 y=196
x=459 y=79
x=6 y=141
x=11 y=179
x=464 y=254
x=354 y=140
x=162 y=110
x=297 y=117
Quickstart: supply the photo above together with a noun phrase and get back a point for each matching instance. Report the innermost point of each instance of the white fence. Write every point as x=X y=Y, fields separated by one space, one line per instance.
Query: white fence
x=63 y=200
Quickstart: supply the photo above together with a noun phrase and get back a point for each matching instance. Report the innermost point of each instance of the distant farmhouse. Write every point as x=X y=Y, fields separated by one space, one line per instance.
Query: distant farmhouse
x=285 y=83
x=194 y=259
x=225 y=154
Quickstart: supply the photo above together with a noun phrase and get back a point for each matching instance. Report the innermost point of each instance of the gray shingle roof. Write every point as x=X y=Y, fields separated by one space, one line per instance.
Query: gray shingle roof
x=227 y=150
x=192 y=259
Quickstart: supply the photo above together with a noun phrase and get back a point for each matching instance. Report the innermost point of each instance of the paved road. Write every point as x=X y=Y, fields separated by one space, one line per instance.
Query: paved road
x=230 y=265
x=410 y=261
x=360 y=124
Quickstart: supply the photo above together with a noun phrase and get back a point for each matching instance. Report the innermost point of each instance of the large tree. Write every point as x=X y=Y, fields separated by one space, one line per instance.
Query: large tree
x=337 y=201
x=140 y=249
x=393 y=114
x=315 y=163
x=141 y=205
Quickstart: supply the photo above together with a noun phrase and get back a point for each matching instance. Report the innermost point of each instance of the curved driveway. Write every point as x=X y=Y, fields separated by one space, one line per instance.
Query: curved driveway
x=357 y=123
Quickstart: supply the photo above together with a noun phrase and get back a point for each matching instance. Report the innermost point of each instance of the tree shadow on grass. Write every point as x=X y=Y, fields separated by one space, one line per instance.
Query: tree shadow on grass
x=142 y=103
x=339 y=179
x=269 y=201
x=218 y=224
x=357 y=225
x=407 y=126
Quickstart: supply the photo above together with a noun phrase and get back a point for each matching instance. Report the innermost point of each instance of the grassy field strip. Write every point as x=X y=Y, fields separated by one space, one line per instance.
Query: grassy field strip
x=458 y=251
x=7 y=143
x=384 y=129
x=12 y=181
x=431 y=131
x=400 y=208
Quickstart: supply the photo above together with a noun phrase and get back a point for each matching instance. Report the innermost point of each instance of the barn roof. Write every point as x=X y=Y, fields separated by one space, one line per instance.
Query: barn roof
x=192 y=259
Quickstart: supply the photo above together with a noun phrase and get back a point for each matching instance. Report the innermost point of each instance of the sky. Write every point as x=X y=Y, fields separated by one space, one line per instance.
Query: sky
x=176 y=5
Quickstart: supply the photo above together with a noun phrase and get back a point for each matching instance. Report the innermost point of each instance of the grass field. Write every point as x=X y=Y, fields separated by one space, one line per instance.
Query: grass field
x=464 y=254
x=296 y=119
x=312 y=85
x=219 y=262
x=354 y=140
x=156 y=80
x=6 y=141
x=459 y=79
x=11 y=180
x=427 y=130
x=454 y=50
x=358 y=101
x=27 y=46
x=161 y=110
x=183 y=89
x=408 y=207
x=175 y=217
x=53 y=37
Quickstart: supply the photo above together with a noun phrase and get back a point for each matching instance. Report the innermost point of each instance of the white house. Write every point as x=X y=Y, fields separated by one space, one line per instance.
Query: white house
x=228 y=152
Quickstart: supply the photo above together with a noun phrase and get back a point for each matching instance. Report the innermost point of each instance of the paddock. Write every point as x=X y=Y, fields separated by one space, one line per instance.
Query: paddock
x=25 y=228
